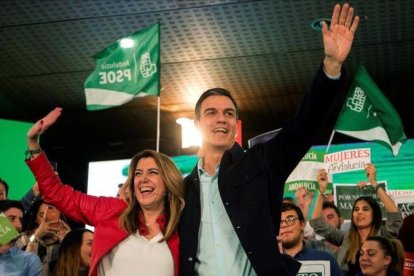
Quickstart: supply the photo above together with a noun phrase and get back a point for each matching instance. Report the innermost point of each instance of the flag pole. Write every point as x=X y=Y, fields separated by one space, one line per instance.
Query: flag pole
x=330 y=141
x=158 y=123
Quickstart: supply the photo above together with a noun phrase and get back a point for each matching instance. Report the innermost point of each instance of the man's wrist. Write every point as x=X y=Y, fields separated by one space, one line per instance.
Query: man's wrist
x=332 y=68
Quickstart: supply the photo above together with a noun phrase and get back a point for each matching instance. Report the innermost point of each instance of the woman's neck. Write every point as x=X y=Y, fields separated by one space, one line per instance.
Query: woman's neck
x=364 y=233
x=150 y=216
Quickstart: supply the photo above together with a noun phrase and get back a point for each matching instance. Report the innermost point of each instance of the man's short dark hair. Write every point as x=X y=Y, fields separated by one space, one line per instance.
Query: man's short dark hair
x=7 y=204
x=214 y=92
x=6 y=186
x=287 y=206
x=331 y=205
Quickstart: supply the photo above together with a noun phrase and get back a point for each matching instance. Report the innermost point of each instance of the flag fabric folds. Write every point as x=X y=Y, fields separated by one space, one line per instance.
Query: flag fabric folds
x=368 y=115
x=128 y=68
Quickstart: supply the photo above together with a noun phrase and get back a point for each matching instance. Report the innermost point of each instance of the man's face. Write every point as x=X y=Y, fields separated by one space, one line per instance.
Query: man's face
x=218 y=122
x=332 y=218
x=290 y=235
x=15 y=217
x=3 y=195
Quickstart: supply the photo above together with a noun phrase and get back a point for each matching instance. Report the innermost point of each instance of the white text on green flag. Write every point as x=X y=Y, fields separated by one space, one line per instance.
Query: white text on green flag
x=368 y=115
x=128 y=68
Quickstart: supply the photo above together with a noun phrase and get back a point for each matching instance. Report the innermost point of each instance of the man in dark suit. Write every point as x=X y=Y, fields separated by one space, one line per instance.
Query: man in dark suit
x=233 y=197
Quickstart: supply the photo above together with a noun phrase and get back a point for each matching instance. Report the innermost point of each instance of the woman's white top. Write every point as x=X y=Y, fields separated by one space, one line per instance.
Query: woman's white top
x=138 y=256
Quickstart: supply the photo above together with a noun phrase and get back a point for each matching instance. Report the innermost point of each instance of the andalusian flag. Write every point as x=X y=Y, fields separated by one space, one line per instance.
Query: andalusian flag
x=368 y=115
x=128 y=68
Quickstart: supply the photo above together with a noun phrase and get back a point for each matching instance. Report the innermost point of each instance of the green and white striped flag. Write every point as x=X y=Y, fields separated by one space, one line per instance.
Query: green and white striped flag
x=128 y=68
x=368 y=115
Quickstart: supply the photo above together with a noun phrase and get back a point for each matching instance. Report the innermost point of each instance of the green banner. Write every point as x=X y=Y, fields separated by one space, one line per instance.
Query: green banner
x=7 y=231
x=128 y=68
x=305 y=173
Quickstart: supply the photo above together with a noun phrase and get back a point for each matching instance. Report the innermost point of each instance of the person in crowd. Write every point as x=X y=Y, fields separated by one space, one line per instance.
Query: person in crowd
x=119 y=192
x=365 y=222
x=233 y=196
x=32 y=196
x=406 y=236
x=291 y=239
x=4 y=189
x=304 y=199
x=75 y=253
x=135 y=238
x=44 y=232
x=14 y=261
x=123 y=192
x=332 y=215
x=380 y=256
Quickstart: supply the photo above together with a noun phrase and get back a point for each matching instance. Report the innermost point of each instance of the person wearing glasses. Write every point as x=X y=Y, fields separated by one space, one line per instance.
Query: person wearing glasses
x=291 y=241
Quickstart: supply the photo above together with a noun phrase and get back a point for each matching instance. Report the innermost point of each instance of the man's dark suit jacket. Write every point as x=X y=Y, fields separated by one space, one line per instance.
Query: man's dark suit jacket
x=251 y=186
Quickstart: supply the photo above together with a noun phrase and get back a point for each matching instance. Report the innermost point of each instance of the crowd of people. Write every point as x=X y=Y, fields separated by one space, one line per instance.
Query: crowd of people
x=228 y=217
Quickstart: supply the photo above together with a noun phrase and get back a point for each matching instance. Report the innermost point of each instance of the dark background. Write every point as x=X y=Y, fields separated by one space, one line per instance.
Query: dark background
x=265 y=52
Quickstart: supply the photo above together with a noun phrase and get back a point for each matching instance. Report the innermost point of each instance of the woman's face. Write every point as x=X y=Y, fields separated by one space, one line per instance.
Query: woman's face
x=362 y=214
x=52 y=214
x=86 y=248
x=372 y=260
x=149 y=188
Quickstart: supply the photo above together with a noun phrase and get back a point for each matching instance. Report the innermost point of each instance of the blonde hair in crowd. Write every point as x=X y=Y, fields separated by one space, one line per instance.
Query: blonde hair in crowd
x=174 y=200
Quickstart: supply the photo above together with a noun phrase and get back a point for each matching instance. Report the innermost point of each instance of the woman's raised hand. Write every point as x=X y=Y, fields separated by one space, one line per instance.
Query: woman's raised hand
x=41 y=126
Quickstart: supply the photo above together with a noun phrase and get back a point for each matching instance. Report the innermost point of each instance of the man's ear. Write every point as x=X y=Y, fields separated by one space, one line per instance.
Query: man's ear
x=196 y=123
x=302 y=225
x=341 y=220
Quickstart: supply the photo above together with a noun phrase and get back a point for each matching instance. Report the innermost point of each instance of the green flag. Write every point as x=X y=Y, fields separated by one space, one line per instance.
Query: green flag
x=129 y=67
x=368 y=115
x=7 y=231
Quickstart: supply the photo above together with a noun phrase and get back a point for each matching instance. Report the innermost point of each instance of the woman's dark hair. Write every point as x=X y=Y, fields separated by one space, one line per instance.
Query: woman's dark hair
x=392 y=248
x=376 y=211
x=69 y=261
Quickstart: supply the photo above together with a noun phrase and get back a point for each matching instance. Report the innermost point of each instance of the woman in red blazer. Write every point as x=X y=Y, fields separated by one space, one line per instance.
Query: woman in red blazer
x=135 y=238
